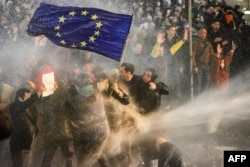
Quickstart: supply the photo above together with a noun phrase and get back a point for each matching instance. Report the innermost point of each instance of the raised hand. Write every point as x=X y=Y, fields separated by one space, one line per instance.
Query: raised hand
x=219 y=51
x=185 y=35
x=233 y=46
x=160 y=37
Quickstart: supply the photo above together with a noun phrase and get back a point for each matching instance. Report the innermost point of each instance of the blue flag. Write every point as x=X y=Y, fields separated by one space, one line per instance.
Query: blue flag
x=90 y=29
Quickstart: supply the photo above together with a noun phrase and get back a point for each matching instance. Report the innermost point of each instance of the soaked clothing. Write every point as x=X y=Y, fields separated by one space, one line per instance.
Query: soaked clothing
x=148 y=100
x=90 y=119
x=56 y=129
x=123 y=100
x=168 y=156
x=91 y=128
x=22 y=135
x=132 y=86
x=111 y=104
x=56 y=116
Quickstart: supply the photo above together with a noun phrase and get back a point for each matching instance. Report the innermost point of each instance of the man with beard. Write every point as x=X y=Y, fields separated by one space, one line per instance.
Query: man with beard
x=202 y=56
x=216 y=35
x=130 y=80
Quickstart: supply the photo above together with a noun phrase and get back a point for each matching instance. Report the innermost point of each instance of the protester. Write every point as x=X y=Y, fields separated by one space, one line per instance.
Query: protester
x=89 y=120
x=109 y=89
x=161 y=149
x=202 y=55
x=149 y=94
x=171 y=59
x=54 y=116
x=216 y=35
x=130 y=80
x=22 y=136
x=107 y=85
x=220 y=68
x=15 y=14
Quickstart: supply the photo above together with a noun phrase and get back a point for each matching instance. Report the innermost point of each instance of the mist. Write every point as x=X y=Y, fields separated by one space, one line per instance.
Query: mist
x=215 y=121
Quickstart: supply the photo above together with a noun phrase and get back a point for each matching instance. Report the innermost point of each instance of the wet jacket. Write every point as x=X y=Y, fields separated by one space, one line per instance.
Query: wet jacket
x=53 y=109
x=150 y=100
x=123 y=100
x=132 y=86
x=22 y=135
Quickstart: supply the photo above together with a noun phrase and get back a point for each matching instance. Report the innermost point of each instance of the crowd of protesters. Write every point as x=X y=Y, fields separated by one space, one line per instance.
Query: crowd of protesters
x=157 y=52
x=224 y=24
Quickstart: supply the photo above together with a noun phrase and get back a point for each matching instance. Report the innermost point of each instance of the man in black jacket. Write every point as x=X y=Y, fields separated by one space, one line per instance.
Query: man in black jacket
x=130 y=80
x=22 y=136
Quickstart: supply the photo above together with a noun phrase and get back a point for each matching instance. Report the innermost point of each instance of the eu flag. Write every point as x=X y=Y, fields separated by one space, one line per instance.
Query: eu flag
x=90 y=29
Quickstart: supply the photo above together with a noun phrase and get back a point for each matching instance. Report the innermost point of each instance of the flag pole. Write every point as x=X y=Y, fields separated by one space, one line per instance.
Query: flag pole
x=126 y=43
x=121 y=61
x=123 y=52
x=190 y=49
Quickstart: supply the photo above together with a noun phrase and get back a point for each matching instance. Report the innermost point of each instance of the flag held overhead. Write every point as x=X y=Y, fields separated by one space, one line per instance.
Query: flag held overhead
x=90 y=29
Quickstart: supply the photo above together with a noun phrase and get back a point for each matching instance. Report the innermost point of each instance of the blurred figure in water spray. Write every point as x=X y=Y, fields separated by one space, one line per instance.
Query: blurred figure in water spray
x=113 y=94
x=158 y=148
x=220 y=75
x=90 y=124
x=54 y=116
x=109 y=89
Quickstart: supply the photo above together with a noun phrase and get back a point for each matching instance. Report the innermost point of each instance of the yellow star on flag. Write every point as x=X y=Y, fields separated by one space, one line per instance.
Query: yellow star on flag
x=72 y=13
x=98 y=24
x=97 y=33
x=63 y=42
x=83 y=44
x=94 y=17
x=62 y=19
x=58 y=35
x=85 y=12
x=92 y=39
x=57 y=27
